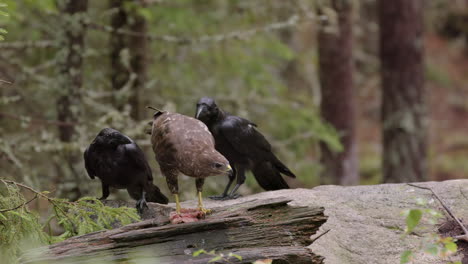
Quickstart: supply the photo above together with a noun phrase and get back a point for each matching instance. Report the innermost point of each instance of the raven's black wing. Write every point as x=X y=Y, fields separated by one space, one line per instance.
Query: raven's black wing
x=245 y=139
x=136 y=155
x=88 y=163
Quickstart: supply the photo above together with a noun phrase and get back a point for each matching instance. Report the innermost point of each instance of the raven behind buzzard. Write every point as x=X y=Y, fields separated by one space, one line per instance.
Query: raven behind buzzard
x=245 y=148
x=183 y=144
x=120 y=163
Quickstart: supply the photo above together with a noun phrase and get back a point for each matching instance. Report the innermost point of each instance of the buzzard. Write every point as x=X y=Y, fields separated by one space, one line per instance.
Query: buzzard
x=120 y=163
x=244 y=146
x=184 y=145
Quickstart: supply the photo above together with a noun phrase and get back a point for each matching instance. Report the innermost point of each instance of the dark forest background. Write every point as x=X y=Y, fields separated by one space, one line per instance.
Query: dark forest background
x=347 y=92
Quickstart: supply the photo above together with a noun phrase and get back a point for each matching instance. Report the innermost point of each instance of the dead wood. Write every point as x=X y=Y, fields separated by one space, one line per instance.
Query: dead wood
x=255 y=229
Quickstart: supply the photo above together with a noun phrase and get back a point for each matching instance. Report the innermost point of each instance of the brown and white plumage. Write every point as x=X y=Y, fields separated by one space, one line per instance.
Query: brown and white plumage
x=183 y=144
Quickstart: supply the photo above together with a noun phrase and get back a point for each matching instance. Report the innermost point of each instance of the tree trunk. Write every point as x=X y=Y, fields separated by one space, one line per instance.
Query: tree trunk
x=338 y=105
x=120 y=74
x=403 y=94
x=138 y=52
x=70 y=64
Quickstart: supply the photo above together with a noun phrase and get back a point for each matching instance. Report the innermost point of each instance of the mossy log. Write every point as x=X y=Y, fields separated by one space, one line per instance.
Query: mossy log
x=254 y=229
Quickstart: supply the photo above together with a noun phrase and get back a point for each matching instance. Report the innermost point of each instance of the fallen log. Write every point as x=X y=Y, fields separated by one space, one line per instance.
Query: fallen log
x=253 y=229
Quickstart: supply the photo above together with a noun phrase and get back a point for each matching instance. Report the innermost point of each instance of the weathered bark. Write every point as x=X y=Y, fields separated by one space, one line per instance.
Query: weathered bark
x=403 y=93
x=70 y=65
x=120 y=74
x=138 y=51
x=338 y=105
x=255 y=229
x=69 y=82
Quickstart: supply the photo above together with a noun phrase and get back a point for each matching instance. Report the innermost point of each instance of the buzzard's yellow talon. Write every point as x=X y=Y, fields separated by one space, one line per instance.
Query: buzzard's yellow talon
x=204 y=210
x=177 y=203
x=200 y=205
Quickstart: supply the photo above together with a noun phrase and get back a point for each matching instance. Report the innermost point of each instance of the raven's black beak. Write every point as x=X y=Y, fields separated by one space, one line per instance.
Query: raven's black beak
x=200 y=111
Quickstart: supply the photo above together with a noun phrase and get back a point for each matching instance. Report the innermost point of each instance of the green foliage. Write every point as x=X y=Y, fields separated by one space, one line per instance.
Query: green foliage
x=20 y=228
x=217 y=257
x=5 y=14
x=412 y=220
x=406 y=256
x=89 y=215
x=432 y=244
x=243 y=75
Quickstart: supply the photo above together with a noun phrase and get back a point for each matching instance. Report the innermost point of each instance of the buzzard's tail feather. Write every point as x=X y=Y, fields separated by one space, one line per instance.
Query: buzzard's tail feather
x=154 y=194
x=269 y=177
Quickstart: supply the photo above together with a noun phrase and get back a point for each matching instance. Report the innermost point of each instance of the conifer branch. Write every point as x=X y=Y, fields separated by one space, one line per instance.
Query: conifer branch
x=240 y=34
x=21 y=205
x=43 y=195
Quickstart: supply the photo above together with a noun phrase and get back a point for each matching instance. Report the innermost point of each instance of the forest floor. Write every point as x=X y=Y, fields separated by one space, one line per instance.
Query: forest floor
x=447 y=87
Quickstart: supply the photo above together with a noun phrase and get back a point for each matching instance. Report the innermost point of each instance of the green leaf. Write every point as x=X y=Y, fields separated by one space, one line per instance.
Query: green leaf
x=432 y=249
x=406 y=256
x=2 y=13
x=215 y=259
x=198 y=252
x=451 y=247
x=412 y=220
x=236 y=256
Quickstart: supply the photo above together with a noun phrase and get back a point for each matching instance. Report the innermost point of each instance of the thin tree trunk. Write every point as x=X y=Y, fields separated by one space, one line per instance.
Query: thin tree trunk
x=138 y=51
x=70 y=81
x=403 y=95
x=70 y=66
x=120 y=74
x=338 y=105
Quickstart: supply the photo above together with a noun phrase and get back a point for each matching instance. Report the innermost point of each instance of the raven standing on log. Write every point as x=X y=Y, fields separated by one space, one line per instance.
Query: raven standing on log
x=245 y=148
x=120 y=163
x=183 y=144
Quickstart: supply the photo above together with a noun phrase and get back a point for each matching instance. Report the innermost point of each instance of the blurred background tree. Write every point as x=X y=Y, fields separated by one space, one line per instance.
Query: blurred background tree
x=404 y=121
x=338 y=104
x=79 y=66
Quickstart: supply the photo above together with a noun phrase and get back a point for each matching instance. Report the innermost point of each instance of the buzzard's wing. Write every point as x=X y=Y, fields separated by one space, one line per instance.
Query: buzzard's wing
x=88 y=164
x=137 y=157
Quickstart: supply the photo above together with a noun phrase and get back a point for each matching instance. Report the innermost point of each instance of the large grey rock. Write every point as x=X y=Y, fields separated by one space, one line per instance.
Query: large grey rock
x=364 y=222
x=366 y=225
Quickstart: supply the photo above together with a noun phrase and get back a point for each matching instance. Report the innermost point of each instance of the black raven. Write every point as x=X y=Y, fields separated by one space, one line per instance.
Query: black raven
x=245 y=148
x=120 y=163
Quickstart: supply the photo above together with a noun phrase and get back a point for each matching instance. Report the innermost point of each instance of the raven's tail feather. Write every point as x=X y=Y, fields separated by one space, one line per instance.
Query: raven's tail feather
x=282 y=168
x=154 y=194
x=268 y=176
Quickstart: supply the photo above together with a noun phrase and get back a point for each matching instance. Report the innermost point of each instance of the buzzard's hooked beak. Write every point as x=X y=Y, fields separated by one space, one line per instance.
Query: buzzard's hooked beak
x=229 y=171
x=200 y=109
